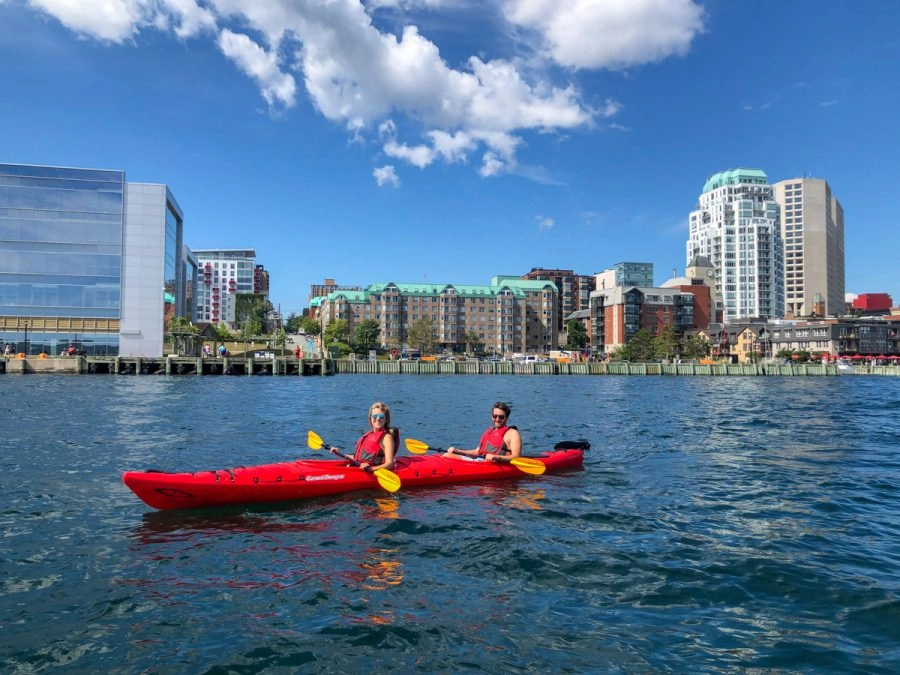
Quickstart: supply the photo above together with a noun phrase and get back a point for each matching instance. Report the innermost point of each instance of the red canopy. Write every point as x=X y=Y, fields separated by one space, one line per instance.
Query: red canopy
x=857 y=356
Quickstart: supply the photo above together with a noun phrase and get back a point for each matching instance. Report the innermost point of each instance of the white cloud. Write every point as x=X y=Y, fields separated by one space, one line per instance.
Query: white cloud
x=609 y=34
x=828 y=104
x=545 y=223
x=419 y=155
x=108 y=20
x=386 y=175
x=359 y=75
x=261 y=65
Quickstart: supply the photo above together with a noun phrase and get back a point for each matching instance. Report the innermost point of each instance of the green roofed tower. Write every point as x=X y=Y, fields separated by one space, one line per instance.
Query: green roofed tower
x=735 y=225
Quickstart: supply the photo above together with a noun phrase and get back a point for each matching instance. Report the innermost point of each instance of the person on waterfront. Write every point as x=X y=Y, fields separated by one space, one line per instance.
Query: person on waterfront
x=206 y=350
x=297 y=352
x=500 y=443
x=375 y=449
x=222 y=351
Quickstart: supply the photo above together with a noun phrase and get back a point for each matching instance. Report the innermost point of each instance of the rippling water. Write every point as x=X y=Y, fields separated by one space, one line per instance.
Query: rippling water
x=721 y=524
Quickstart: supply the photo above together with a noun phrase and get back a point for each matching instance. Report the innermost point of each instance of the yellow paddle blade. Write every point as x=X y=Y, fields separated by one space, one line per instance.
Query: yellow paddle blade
x=387 y=479
x=527 y=465
x=314 y=440
x=416 y=447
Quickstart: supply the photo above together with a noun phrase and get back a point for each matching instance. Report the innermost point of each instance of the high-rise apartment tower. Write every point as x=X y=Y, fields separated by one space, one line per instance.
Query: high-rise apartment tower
x=735 y=225
x=812 y=228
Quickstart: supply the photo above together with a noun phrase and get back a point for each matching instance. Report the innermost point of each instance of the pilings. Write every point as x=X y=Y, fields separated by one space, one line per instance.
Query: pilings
x=282 y=366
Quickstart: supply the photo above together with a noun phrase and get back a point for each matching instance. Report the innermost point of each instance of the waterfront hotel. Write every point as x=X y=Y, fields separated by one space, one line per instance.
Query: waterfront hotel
x=510 y=315
x=91 y=260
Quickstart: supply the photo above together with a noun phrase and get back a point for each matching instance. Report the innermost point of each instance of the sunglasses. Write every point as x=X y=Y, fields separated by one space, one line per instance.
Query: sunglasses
x=377 y=416
x=499 y=417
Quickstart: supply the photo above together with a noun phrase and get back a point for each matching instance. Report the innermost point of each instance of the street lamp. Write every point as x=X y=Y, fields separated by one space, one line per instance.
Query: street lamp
x=26 y=338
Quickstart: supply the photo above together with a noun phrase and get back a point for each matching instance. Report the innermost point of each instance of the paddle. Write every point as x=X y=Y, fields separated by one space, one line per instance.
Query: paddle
x=525 y=464
x=386 y=479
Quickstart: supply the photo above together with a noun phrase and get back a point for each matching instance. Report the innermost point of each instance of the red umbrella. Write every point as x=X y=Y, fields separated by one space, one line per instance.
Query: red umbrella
x=795 y=356
x=893 y=357
x=857 y=357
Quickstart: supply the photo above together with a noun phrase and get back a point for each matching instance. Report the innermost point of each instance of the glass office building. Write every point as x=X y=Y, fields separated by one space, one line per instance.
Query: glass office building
x=87 y=259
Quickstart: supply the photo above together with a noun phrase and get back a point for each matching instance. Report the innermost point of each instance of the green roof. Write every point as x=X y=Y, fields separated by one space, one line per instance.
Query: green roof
x=519 y=287
x=735 y=177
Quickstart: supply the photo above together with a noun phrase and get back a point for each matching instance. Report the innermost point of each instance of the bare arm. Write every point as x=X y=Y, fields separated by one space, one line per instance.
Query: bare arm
x=513 y=442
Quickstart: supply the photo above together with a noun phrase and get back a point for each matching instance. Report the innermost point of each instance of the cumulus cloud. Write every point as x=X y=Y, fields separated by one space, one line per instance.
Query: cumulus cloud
x=262 y=66
x=386 y=175
x=610 y=34
x=361 y=75
x=545 y=223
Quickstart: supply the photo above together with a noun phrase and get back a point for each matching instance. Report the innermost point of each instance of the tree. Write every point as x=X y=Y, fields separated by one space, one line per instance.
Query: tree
x=251 y=307
x=182 y=324
x=641 y=347
x=473 y=343
x=293 y=323
x=421 y=335
x=666 y=342
x=336 y=337
x=310 y=326
x=695 y=347
x=365 y=337
x=221 y=332
x=280 y=337
x=577 y=335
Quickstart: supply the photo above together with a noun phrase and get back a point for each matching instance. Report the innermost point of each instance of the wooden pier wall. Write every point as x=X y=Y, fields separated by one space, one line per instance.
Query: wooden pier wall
x=177 y=365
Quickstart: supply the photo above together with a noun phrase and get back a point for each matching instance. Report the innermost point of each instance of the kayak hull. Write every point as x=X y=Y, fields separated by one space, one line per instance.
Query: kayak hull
x=307 y=479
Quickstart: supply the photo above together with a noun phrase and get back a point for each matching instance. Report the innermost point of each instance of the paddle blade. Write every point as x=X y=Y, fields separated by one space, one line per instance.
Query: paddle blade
x=314 y=440
x=387 y=479
x=527 y=465
x=416 y=447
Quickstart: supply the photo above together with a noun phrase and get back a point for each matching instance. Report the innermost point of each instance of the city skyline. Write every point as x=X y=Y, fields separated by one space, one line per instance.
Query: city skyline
x=466 y=140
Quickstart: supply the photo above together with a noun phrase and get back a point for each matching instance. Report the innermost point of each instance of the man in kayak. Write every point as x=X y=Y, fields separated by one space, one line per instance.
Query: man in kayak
x=375 y=449
x=500 y=443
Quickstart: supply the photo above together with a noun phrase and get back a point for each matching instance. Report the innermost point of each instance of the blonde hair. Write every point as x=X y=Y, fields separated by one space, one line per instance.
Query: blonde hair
x=382 y=407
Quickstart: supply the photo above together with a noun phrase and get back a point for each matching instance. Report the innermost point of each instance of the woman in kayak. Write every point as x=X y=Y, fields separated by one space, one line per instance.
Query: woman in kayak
x=376 y=448
x=500 y=443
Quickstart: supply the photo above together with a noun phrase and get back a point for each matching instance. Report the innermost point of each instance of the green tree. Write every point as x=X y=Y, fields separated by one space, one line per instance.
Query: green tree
x=474 y=344
x=641 y=347
x=293 y=323
x=251 y=307
x=365 y=337
x=336 y=337
x=577 y=337
x=695 y=347
x=422 y=335
x=666 y=342
x=182 y=324
x=310 y=326
x=221 y=332
x=280 y=335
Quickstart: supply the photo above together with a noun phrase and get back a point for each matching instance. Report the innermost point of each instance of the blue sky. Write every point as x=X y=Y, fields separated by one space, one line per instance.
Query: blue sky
x=449 y=141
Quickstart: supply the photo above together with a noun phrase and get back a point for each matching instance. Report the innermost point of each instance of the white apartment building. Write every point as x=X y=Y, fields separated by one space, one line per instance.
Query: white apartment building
x=812 y=229
x=736 y=226
x=222 y=274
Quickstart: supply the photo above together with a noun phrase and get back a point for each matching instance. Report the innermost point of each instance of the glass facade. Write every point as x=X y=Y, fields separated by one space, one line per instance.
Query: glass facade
x=60 y=257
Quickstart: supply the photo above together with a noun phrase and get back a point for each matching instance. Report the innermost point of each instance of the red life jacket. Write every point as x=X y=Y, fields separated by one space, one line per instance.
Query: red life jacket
x=368 y=447
x=492 y=441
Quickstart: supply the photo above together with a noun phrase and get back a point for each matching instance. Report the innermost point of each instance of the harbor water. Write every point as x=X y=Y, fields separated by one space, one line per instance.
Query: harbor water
x=720 y=525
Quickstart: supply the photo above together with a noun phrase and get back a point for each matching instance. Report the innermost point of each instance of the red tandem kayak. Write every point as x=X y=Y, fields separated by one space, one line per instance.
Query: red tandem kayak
x=305 y=479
